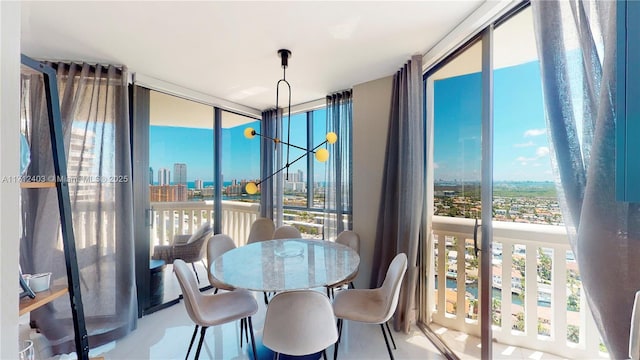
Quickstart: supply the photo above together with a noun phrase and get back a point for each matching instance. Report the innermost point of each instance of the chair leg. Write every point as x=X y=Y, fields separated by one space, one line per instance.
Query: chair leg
x=202 y=332
x=351 y=285
x=253 y=339
x=324 y=354
x=384 y=333
x=266 y=299
x=193 y=265
x=195 y=331
x=391 y=336
x=241 y=331
x=335 y=347
x=215 y=291
x=246 y=331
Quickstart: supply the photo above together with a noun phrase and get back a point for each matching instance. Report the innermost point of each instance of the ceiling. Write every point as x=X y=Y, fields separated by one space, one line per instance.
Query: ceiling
x=229 y=49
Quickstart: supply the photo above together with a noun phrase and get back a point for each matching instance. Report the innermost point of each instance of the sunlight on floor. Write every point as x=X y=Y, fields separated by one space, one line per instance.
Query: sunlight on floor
x=508 y=351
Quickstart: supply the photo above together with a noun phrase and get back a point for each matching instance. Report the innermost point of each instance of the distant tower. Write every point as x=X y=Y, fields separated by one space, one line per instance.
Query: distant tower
x=150 y=175
x=198 y=184
x=164 y=176
x=180 y=174
x=300 y=176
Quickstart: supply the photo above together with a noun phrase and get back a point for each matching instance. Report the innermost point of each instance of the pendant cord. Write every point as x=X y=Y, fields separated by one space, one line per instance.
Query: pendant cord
x=284 y=77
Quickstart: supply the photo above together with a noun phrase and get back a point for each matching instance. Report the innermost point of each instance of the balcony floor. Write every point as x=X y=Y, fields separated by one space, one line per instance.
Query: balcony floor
x=468 y=347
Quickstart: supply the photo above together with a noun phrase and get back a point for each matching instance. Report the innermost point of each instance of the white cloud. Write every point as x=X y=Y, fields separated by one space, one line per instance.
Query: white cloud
x=522 y=145
x=534 y=132
x=542 y=151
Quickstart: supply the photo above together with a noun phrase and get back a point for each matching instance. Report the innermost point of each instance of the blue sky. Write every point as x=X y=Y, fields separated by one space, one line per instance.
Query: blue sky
x=521 y=150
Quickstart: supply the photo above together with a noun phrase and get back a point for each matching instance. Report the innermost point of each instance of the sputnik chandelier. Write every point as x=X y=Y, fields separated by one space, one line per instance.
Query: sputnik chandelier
x=321 y=154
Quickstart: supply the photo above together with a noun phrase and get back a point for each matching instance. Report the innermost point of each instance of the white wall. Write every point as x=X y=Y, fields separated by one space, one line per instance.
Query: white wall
x=9 y=160
x=371 y=106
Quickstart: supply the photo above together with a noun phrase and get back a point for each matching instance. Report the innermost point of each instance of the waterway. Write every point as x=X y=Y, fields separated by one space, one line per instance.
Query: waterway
x=496 y=293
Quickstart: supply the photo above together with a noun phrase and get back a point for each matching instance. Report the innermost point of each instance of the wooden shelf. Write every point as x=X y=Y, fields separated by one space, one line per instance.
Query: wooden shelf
x=38 y=185
x=28 y=304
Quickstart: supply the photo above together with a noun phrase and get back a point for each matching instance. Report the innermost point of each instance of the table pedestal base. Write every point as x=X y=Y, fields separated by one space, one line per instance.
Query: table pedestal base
x=265 y=353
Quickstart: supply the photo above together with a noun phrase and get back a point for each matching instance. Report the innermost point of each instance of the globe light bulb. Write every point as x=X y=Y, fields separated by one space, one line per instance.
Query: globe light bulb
x=332 y=137
x=251 y=188
x=322 y=155
x=249 y=133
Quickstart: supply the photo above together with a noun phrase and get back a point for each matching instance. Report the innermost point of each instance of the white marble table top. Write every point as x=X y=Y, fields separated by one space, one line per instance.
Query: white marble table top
x=286 y=264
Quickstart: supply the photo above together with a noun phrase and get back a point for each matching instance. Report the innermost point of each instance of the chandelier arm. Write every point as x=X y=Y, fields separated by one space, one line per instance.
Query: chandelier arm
x=284 y=142
x=282 y=168
x=317 y=146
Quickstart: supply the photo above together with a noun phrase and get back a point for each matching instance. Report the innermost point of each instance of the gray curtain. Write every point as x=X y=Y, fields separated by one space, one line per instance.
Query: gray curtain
x=576 y=45
x=338 y=194
x=401 y=204
x=95 y=120
x=268 y=128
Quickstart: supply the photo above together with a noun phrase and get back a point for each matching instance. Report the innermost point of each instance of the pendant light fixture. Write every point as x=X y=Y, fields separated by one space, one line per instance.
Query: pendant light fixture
x=321 y=154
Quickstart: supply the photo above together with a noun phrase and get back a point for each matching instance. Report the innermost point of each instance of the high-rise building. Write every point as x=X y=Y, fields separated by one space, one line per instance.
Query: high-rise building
x=167 y=193
x=164 y=177
x=150 y=175
x=199 y=184
x=180 y=174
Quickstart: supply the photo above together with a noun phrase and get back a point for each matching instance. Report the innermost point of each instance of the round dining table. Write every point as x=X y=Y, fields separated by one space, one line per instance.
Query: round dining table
x=286 y=264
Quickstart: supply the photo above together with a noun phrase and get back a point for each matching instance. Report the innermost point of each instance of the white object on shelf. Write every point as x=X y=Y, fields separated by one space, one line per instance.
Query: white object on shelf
x=40 y=282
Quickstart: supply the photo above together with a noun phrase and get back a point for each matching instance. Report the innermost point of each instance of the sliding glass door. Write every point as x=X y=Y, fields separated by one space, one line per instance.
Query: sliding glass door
x=173 y=170
x=461 y=175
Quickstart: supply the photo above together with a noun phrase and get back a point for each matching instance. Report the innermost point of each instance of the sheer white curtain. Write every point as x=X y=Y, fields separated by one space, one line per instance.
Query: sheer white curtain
x=268 y=128
x=95 y=120
x=338 y=194
x=577 y=50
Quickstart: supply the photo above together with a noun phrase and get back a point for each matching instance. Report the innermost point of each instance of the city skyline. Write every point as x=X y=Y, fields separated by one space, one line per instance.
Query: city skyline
x=240 y=156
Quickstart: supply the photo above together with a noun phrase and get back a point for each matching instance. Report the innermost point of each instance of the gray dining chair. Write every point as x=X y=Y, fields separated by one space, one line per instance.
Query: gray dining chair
x=207 y=310
x=286 y=232
x=218 y=245
x=299 y=323
x=351 y=239
x=261 y=230
x=634 y=334
x=372 y=306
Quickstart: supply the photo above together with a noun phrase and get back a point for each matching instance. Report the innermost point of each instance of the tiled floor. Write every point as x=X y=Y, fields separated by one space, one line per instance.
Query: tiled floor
x=165 y=335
